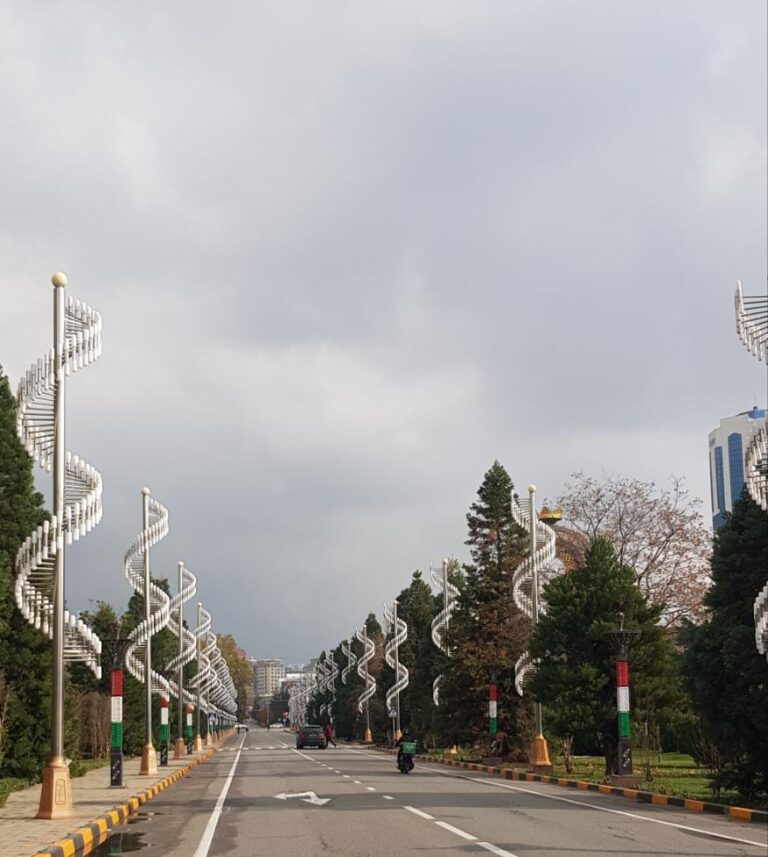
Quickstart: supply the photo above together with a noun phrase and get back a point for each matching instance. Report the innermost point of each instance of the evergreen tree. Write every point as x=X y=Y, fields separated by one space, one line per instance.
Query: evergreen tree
x=25 y=653
x=575 y=678
x=726 y=676
x=416 y=607
x=488 y=632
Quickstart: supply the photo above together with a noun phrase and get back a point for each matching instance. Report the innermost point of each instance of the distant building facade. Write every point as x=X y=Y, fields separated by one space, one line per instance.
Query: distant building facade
x=727 y=449
x=268 y=674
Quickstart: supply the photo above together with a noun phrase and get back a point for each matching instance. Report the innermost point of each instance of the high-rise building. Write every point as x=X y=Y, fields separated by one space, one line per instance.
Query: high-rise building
x=268 y=674
x=727 y=448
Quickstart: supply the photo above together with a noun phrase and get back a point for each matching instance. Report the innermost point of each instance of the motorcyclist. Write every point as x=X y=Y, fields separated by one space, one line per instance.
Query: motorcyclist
x=405 y=736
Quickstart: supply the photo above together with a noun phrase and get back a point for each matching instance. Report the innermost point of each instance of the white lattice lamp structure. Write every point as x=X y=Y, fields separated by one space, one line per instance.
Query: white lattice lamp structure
x=399 y=630
x=76 y=509
x=752 y=330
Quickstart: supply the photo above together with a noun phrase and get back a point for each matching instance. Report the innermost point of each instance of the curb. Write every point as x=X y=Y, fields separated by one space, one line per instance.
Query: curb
x=736 y=812
x=83 y=840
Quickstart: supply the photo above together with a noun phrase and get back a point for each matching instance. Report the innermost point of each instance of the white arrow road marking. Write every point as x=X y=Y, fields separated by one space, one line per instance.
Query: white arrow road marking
x=307 y=797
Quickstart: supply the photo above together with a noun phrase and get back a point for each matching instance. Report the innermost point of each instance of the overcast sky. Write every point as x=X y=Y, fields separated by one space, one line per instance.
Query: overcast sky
x=347 y=254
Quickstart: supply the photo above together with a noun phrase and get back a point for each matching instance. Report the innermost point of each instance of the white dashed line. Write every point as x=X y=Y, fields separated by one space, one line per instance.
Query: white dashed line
x=446 y=826
x=500 y=852
x=357 y=782
x=387 y=797
x=371 y=788
x=346 y=776
x=421 y=814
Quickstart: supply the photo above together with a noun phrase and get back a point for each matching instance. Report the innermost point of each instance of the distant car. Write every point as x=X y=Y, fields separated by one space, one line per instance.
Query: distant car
x=277 y=725
x=310 y=735
x=241 y=727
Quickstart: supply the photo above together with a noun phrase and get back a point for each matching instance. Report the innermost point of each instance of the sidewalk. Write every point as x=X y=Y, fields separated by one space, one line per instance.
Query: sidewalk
x=23 y=835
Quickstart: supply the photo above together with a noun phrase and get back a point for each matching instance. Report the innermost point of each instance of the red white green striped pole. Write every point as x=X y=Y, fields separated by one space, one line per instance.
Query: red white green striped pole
x=116 y=729
x=188 y=727
x=492 y=709
x=164 y=730
x=622 y=706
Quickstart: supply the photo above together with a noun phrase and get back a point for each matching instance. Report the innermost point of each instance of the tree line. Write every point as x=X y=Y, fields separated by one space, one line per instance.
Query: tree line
x=26 y=654
x=698 y=684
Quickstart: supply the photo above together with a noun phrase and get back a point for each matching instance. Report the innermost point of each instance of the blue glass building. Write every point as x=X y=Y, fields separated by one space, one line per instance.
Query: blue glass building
x=727 y=447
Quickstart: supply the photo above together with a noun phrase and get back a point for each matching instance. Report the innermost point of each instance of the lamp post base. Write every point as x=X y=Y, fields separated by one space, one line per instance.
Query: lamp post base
x=148 y=761
x=56 y=796
x=368 y=738
x=197 y=746
x=540 y=755
x=179 y=749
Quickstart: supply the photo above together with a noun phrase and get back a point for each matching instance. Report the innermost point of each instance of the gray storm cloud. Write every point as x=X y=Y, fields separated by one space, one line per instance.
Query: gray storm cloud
x=349 y=254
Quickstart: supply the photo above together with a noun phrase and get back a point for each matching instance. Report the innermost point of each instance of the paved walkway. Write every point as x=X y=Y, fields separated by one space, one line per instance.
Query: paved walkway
x=22 y=835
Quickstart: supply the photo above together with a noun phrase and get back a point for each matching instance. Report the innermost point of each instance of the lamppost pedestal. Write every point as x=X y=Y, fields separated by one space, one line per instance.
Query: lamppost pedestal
x=56 y=795
x=179 y=749
x=148 y=761
x=540 y=761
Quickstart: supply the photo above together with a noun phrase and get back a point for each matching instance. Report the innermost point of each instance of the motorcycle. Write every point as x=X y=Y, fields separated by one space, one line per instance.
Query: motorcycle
x=405 y=757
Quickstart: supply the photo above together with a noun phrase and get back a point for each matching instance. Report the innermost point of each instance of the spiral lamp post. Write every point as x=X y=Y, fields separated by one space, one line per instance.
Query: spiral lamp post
x=76 y=501
x=179 y=747
x=539 y=749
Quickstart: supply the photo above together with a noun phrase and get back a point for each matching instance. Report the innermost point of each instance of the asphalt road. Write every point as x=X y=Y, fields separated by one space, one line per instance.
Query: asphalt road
x=230 y=806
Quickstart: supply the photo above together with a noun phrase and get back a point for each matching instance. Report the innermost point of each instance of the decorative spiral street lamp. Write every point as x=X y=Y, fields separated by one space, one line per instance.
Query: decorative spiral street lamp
x=39 y=587
x=333 y=675
x=364 y=700
x=203 y=675
x=346 y=648
x=752 y=329
x=156 y=612
x=399 y=631
x=526 y=588
x=440 y=622
x=187 y=647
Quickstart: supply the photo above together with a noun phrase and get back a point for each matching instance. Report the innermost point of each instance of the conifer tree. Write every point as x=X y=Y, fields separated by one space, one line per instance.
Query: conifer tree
x=726 y=676
x=488 y=632
x=575 y=678
x=25 y=653
x=416 y=608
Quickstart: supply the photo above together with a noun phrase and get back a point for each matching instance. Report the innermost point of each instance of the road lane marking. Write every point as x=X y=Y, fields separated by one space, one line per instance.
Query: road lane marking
x=304 y=755
x=500 y=852
x=446 y=826
x=210 y=828
x=356 y=782
x=371 y=788
x=420 y=813
x=387 y=797
x=686 y=827
x=346 y=776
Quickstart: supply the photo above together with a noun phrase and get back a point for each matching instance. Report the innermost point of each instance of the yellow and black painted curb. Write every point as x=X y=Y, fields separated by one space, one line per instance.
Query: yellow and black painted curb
x=83 y=840
x=736 y=812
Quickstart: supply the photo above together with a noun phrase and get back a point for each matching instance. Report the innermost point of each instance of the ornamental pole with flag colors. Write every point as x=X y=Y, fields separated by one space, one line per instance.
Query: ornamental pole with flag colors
x=492 y=722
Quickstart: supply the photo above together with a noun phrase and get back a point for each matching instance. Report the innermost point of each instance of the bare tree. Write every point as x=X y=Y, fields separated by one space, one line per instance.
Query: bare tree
x=659 y=533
